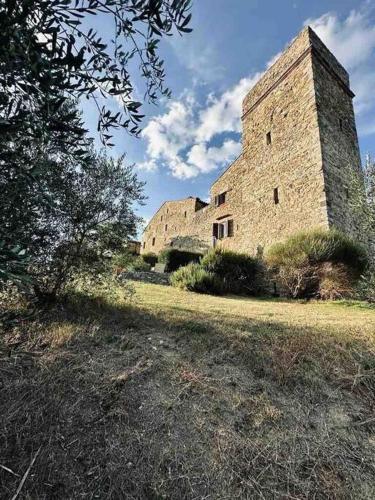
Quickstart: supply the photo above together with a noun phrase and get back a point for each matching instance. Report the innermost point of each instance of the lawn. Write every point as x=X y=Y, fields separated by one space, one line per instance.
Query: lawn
x=183 y=396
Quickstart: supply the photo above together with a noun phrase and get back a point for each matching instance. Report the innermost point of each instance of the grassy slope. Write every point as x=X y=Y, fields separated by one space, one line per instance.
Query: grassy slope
x=188 y=396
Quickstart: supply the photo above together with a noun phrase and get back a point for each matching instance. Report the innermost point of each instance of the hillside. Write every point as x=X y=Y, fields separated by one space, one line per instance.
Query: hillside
x=184 y=396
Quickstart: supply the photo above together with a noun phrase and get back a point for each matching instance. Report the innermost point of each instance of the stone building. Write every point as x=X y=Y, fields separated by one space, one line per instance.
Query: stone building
x=299 y=152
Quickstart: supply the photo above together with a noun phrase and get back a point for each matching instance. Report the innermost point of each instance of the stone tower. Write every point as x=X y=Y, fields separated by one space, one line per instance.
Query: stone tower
x=300 y=141
x=300 y=151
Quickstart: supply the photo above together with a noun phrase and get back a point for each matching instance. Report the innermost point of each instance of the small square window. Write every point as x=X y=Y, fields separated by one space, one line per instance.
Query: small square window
x=268 y=138
x=153 y=241
x=276 y=196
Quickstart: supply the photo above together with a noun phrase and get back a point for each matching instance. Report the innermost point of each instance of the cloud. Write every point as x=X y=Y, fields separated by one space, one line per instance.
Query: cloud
x=193 y=138
x=182 y=138
x=352 y=40
x=223 y=113
x=206 y=159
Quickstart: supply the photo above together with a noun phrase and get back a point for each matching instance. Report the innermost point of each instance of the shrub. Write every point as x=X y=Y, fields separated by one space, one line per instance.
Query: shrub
x=173 y=258
x=366 y=286
x=139 y=264
x=239 y=273
x=300 y=262
x=334 y=282
x=195 y=278
x=123 y=260
x=150 y=258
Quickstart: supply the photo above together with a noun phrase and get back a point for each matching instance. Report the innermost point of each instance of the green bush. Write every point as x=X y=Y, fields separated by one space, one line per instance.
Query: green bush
x=366 y=286
x=174 y=259
x=139 y=264
x=150 y=258
x=239 y=273
x=299 y=262
x=122 y=260
x=196 y=279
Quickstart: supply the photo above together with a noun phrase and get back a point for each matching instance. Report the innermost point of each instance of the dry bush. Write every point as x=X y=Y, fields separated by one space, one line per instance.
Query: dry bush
x=335 y=282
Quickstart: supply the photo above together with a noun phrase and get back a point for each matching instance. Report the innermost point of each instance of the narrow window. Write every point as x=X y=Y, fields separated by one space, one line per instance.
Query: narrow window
x=167 y=210
x=221 y=231
x=268 y=138
x=153 y=241
x=230 y=228
x=166 y=227
x=220 y=199
x=276 y=196
x=341 y=123
x=144 y=245
x=161 y=218
x=185 y=214
x=215 y=230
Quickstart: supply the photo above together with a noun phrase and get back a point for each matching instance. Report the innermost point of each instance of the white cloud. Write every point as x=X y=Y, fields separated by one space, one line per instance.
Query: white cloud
x=223 y=114
x=206 y=159
x=180 y=139
x=352 y=40
x=189 y=138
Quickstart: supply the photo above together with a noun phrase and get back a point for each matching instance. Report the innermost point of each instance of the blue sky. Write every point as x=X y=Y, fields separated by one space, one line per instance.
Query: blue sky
x=188 y=140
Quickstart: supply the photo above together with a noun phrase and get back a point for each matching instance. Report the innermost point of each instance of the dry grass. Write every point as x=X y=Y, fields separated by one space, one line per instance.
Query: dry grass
x=183 y=396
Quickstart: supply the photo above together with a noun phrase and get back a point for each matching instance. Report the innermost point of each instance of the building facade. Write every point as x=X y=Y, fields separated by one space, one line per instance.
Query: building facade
x=299 y=153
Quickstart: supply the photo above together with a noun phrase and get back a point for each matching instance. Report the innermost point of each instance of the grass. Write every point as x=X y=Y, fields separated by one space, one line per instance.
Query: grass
x=184 y=396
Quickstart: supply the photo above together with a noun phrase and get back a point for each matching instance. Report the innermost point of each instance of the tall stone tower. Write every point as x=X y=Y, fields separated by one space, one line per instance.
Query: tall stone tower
x=300 y=152
x=300 y=142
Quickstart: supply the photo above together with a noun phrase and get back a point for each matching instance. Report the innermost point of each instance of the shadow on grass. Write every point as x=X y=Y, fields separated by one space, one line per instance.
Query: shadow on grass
x=118 y=414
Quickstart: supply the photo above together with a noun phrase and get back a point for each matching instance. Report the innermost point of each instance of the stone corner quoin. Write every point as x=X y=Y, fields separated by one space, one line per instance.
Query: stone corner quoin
x=299 y=152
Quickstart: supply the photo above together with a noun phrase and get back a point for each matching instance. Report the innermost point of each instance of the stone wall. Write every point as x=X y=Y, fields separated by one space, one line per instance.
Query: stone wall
x=300 y=148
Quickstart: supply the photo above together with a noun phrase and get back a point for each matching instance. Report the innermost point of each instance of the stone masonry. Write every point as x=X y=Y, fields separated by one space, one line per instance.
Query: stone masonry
x=300 y=150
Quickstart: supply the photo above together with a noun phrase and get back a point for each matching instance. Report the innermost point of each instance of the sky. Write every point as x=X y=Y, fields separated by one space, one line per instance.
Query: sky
x=188 y=140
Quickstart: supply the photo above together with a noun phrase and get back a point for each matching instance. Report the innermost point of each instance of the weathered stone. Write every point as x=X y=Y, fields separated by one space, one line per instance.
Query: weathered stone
x=300 y=149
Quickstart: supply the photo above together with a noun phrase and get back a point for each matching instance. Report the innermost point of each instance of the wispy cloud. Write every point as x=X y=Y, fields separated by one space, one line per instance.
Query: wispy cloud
x=182 y=138
x=352 y=40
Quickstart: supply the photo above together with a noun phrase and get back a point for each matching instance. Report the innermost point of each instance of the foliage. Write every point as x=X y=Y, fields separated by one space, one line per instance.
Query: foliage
x=299 y=261
x=139 y=264
x=150 y=258
x=239 y=273
x=195 y=278
x=51 y=56
x=13 y=264
x=52 y=50
x=362 y=204
x=122 y=260
x=366 y=286
x=335 y=282
x=173 y=258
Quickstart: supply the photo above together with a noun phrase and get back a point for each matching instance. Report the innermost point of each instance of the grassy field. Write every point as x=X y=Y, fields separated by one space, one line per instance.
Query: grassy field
x=183 y=396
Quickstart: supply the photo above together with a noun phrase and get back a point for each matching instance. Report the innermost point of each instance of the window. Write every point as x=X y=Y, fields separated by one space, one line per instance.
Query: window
x=220 y=199
x=153 y=241
x=341 y=124
x=144 y=245
x=276 y=196
x=268 y=138
x=223 y=229
x=161 y=218
x=230 y=228
x=167 y=210
x=185 y=214
x=166 y=227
